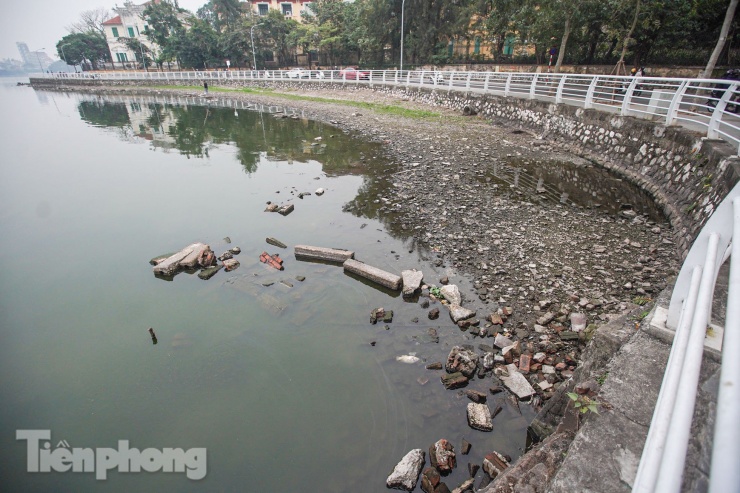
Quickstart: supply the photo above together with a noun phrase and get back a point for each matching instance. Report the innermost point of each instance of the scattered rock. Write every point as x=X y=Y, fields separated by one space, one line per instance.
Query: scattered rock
x=433 y=314
x=578 y=321
x=458 y=313
x=494 y=464
x=516 y=382
x=230 y=264
x=275 y=242
x=442 y=456
x=501 y=342
x=451 y=293
x=411 y=281
x=406 y=473
x=461 y=360
x=209 y=272
x=476 y=396
x=479 y=417
x=465 y=486
x=429 y=480
x=546 y=318
x=407 y=358
x=454 y=380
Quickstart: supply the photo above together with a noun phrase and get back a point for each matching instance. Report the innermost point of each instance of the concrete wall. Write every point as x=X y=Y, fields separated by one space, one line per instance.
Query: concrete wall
x=687 y=175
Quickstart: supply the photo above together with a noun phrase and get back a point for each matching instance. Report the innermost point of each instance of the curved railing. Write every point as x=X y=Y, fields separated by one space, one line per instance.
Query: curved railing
x=661 y=466
x=707 y=106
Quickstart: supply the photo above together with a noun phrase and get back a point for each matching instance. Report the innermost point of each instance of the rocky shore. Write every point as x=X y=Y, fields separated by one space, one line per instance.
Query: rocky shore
x=545 y=273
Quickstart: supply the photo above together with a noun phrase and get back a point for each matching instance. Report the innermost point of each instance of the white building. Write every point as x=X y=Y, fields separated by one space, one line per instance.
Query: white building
x=129 y=23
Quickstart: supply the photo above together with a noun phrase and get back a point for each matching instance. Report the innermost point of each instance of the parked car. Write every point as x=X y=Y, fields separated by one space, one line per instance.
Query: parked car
x=352 y=73
x=297 y=73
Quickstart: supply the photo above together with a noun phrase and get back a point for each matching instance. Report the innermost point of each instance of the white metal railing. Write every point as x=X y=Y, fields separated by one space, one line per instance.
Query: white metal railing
x=708 y=106
x=663 y=458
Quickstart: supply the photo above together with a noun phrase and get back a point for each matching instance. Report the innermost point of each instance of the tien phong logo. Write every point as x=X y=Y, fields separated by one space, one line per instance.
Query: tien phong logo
x=41 y=457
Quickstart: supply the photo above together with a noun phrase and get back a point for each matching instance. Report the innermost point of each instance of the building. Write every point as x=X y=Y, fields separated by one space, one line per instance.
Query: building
x=33 y=60
x=290 y=8
x=129 y=23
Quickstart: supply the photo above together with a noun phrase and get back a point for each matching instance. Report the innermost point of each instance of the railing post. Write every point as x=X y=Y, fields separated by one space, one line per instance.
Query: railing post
x=467 y=81
x=507 y=87
x=485 y=84
x=559 y=93
x=408 y=78
x=589 y=101
x=716 y=119
x=670 y=117
x=421 y=79
x=625 y=111
x=452 y=78
x=384 y=73
x=533 y=87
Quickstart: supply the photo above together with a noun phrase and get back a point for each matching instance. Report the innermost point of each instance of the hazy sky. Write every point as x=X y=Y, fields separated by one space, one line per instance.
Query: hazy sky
x=41 y=23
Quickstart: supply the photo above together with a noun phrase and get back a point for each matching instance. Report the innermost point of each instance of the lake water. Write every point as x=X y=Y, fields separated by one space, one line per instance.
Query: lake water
x=278 y=380
x=280 y=384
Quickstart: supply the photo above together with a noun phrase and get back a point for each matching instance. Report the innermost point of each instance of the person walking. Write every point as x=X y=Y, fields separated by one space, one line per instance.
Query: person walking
x=205 y=88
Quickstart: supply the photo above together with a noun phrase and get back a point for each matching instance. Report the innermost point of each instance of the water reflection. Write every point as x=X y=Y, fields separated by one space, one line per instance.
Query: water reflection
x=192 y=127
x=572 y=181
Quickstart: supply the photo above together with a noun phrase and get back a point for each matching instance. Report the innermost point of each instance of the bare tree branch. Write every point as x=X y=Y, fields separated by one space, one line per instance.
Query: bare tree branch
x=91 y=20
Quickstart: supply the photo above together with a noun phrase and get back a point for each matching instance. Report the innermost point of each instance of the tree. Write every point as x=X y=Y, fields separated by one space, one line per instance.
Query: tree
x=228 y=13
x=729 y=16
x=79 y=47
x=276 y=28
x=141 y=51
x=164 y=28
x=198 y=47
x=235 y=44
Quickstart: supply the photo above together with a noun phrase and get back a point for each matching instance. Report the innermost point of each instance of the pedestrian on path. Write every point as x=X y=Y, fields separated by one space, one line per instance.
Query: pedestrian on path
x=205 y=88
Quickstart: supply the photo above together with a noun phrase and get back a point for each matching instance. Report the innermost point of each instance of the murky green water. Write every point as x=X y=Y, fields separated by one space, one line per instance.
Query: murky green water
x=280 y=384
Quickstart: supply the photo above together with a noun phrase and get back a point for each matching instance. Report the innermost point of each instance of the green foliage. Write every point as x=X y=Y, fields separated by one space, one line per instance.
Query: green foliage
x=602 y=378
x=89 y=46
x=141 y=51
x=369 y=31
x=198 y=46
x=583 y=403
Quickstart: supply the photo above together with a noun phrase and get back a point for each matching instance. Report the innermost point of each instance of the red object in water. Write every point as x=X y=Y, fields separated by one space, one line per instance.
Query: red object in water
x=272 y=260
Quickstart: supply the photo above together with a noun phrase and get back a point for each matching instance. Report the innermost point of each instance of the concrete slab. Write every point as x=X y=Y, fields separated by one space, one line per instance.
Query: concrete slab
x=635 y=376
x=604 y=456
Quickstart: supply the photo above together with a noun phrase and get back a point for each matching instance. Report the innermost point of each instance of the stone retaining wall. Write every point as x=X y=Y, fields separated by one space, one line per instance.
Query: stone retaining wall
x=687 y=175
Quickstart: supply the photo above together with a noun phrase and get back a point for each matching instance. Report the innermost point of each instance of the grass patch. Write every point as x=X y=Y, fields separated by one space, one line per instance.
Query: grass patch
x=386 y=109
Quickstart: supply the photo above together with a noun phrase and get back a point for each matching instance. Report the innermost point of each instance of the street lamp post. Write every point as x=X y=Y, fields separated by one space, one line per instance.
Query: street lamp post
x=251 y=35
x=65 y=56
x=403 y=3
